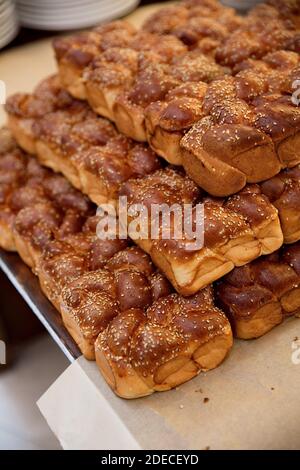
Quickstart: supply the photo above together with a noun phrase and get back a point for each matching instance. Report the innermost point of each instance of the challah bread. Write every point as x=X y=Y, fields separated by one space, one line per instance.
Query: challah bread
x=149 y=82
x=103 y=160
x=259 y=296
x=99 y=64
x=152 y=82
x=167 y=120
x=171 y=342
x=23 y=108
x=74 y=54
x=283 y=191
x=234 y=131
x=120 y=77
x=115 y=303
x=89 y=303
x=236 y=230
x=73 y=140
x=94 y=165
x=57 y=210
x=177 y=18
x=286 y=9
x=93 y=282
x=88 y=149
x=12 y=167
x=123 y=81
x=266 y=28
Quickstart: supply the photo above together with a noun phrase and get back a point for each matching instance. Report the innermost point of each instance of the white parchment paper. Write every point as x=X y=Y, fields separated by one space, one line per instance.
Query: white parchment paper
x=253 y=403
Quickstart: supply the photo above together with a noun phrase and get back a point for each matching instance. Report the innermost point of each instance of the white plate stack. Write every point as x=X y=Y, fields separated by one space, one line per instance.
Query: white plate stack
x=8 y=22
x=57 y=15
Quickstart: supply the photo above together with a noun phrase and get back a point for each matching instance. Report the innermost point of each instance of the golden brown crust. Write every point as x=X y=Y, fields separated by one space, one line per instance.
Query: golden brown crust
x=106 y=161
x=259 y=296
x=89 y=303
x=222 y=132
x=103 y=170
x=75 y=53
x=73 y=140
x=247 y=134
x=236 y=230
x=167 y=345
x=93 y=282
x=190 y=21
x=284 y=193
x=286 y=9
x=150 y=339
x=131 y=80
x=265 y=29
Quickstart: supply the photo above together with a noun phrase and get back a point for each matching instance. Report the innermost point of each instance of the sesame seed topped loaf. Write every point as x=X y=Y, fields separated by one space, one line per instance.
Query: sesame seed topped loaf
x=100 y=162
x=188 y=15
x=193 y=20
x=215 y=94
x=259 y=296
x=105 y=286
x=250 y=127
x=169 y=345
x=119 y=309
x=75 y=54
x=70 y=138
x=235 y=230
x=283 y=191
x=207 y=88
x=120 y=70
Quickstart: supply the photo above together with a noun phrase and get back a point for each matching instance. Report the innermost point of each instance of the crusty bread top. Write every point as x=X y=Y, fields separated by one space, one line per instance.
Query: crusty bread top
x=223 y=218
x=267 y=279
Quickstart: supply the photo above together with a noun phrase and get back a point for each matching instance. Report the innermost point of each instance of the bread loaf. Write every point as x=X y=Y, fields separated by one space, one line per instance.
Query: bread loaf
x=242 y=128
x=73 y=140
x=259 y=296
x=104 y=161
x=100 y=286
x=236 y=230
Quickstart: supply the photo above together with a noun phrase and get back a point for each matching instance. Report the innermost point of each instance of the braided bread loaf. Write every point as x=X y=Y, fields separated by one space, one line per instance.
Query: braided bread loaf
x=120 y=70
x=75 y=54
x=153 y=84
x=12 y=167
x=287 y=9
x=97 y=284
x=70 y=138
x=190 y=21
x=193 y=20
x=89 y=163
x=283 y=191
x=169 y=344
x=259 y=296
x=266 y=28
x=236 y=130
x=113 y=301
x=102 y=160
x=236 y=230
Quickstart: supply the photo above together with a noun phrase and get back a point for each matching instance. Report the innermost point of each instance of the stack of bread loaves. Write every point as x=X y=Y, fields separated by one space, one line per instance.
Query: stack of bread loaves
x=210 y=92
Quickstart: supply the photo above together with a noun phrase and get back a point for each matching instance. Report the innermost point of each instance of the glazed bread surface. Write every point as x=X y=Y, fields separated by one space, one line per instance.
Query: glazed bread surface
x=235 y=230
x=70 y=138
x=259 y=296
x=99 y=285
x=153 y=84
x=96 y=159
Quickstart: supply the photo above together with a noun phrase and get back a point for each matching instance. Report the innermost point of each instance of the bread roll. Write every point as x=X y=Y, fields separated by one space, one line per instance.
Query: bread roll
x=257 y=297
